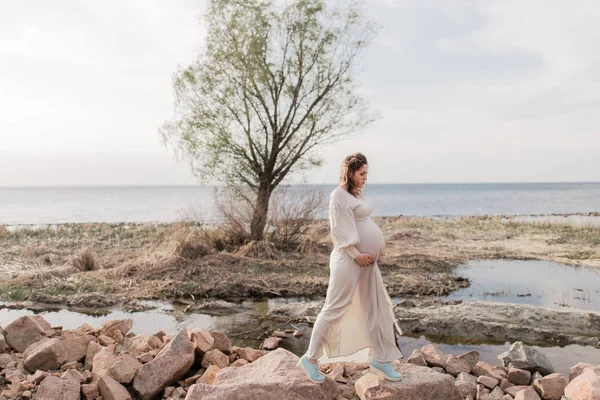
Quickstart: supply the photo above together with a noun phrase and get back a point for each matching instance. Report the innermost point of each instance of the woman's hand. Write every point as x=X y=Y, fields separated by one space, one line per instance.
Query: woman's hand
x=364 y=260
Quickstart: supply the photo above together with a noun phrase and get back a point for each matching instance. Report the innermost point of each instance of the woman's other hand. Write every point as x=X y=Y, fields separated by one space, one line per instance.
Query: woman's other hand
x=364 y=260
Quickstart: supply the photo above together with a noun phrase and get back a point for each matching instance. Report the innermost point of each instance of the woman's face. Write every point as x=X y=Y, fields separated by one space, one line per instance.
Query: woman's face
x=359 y=178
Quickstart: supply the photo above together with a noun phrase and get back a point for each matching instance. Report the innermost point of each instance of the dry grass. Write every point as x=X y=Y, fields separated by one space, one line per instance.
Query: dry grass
x=85 y=261
x=191 y=260
x=4 y=233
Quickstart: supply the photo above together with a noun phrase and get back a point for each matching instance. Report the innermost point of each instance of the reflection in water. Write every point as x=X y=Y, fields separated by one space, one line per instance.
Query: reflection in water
x=540 y=283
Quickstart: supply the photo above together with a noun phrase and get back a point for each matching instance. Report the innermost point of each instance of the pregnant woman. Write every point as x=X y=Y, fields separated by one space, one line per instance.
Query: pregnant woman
x=357 y=313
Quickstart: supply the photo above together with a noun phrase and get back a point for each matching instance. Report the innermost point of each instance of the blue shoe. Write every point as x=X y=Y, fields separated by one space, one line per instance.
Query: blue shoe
x=312 y=370
x=385 y=370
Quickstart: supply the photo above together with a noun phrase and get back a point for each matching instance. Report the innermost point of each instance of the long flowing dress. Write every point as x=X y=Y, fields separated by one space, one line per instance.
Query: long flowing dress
x=357 y=313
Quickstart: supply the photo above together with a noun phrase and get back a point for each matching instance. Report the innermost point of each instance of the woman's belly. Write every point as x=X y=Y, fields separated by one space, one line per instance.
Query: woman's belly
x=371 y=237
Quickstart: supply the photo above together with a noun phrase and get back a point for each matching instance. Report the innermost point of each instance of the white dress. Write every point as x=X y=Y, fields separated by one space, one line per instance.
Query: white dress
x=357 y=313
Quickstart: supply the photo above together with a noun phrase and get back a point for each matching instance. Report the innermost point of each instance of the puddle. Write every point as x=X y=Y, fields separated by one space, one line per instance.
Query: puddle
x=538 y=283
x=247 y=328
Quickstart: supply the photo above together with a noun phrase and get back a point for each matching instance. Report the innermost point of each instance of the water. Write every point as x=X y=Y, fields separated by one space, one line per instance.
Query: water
x=539 y=283
x=172 y=203
x=245 y=329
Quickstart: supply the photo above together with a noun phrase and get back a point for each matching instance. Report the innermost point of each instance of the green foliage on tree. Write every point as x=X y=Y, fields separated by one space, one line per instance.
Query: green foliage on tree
x=273 y=83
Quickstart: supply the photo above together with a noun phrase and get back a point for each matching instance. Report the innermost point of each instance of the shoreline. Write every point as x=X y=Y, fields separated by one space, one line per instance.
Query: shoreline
x=591 y=214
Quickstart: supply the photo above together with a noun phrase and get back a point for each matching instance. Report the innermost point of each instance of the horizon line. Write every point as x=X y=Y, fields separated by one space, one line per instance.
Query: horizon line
x=75 y=186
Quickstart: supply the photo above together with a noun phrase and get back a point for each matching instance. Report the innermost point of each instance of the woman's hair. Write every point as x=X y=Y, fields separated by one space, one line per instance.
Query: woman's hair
x=351 y=164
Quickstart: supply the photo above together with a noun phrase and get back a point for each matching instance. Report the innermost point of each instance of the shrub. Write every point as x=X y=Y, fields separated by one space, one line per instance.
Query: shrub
x=85 y=261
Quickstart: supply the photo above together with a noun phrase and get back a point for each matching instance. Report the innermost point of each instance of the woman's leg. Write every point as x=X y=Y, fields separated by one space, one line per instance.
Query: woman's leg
x=343 y=280
x=379 y=317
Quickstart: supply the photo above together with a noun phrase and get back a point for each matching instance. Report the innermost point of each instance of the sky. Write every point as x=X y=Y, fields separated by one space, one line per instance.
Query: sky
x=467 y=91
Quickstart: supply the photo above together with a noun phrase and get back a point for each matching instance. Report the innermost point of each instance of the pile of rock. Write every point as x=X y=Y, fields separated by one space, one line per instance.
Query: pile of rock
x=525 y=374
x=41 y=362
x=48 y=363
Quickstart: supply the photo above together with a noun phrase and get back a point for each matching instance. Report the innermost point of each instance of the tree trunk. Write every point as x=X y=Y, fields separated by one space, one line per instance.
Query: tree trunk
x=261 y=209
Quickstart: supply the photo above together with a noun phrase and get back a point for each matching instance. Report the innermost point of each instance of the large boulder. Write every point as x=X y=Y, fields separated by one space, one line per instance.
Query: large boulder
x=25 y=331
x=55 y=388
x=418 y=383
x=586 y=386
x=170 y=365
x=273 y=376
x=524 y=357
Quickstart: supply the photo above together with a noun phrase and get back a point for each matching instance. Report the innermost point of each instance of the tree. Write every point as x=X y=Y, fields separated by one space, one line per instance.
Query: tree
x=274 y=82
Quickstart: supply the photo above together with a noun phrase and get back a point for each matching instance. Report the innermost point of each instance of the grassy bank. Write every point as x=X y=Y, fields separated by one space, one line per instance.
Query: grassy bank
x=141 y=261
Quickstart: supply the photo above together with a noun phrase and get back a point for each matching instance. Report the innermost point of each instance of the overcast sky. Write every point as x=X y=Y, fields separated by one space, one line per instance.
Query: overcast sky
x=476 y=91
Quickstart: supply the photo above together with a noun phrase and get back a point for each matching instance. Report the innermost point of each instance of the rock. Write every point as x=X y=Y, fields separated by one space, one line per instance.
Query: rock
x=551 y=387
x=466 y=384
x=439 y=370
x=274 y=376
x=519 y=376
x=75 y=349
x=103 y=360
x=105 y=340
x=505 y=384
x=298 y=333
x=270 y=343
x=25 y=331
x=75 y=375
x=433 y=356
x=203 y=340
x=488 y=381
x=110 y=389
x=500 y=371
x=455 y=366
x=3 y=345
x=108 y=328
x=123 y=370
x=215 y=357
x=496 y=394
x=92 y=349
x=527 y=394
x=337 y=373
x=143 y=343
x=416 y=358
x=485 y=368
x=170 y=365
x=471 y=357
x=55 y=388
x=513 y=390
x=239 y=363
x=418 y=383
x=37 y=377
x=5 y=359
x=481 y=391
x=222 y=342
x=534 y=377
x=90 y=392
x=208 y=377
x=525 y=357
x=247 y=353
x=84 y=330
x=585 y=386
x=146 y=358
x=577 y=369
x=47 y=354
x=279 y=334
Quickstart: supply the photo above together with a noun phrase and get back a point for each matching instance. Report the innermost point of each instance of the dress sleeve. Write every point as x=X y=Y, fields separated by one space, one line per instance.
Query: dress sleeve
x=343 y=228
